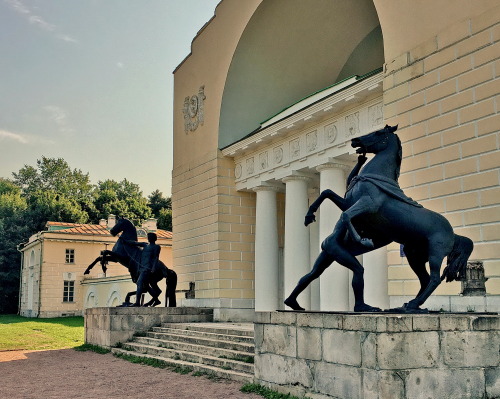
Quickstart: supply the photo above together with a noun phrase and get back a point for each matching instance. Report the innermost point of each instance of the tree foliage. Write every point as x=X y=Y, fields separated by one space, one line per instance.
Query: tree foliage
x=52 y=191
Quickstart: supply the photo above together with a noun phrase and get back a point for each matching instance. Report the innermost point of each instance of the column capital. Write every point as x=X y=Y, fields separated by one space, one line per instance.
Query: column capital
x=264 y=186
x=297 y=176
x=333 y=165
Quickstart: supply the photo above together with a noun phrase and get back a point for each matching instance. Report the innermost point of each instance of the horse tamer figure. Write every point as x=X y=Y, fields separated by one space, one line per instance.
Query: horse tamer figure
x=126 y=252
x=376 y=212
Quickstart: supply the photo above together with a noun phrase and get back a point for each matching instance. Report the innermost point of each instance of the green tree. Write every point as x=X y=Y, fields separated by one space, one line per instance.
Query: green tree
x=122 y=198
x=13 y=230
x=162 y=209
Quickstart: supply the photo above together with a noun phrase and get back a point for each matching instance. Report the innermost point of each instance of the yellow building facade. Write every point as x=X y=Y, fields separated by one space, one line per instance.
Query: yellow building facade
x=264 y=109
x=54 y=260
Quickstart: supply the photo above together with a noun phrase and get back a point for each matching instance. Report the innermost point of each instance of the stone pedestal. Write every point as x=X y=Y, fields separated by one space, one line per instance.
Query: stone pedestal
x=379 y=356
x=107 y=326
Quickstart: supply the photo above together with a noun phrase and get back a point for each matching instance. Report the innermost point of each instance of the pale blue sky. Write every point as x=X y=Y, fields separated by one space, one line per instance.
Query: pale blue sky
x=91 y=81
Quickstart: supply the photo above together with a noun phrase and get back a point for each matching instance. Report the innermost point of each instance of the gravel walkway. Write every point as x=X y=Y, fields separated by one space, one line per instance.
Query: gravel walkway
x=68 y=374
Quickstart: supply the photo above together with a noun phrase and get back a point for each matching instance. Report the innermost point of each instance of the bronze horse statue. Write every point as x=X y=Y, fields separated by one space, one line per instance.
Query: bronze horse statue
x=130 y=257
x=376 y=212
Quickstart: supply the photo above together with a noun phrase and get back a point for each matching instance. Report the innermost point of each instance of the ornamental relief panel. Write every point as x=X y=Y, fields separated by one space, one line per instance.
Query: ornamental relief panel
x=194 y=110
x=263 y=160
x=295 y=148
x=312 y=141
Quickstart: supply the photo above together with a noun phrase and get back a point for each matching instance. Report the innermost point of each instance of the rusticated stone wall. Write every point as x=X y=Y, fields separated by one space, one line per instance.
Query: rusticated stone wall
x=379 y=356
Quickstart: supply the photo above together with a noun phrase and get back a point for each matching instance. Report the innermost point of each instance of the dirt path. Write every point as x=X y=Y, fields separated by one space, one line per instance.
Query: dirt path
x=68 y=374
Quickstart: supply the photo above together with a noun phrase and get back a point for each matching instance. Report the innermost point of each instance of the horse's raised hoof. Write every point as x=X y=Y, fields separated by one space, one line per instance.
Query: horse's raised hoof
x=87 y=271
x=367 y=243
x=366 y=308
x=292 y=303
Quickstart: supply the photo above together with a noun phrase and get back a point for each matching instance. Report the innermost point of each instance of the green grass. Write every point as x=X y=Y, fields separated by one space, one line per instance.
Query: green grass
x=265 y=392
x=22 y=333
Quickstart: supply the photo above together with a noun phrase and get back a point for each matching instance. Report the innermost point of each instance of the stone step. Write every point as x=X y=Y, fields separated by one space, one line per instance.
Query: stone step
x=203 y=341
x=220 y=372
x=224 y=362
x=230 y=335
x=195 y=347
x=242 y=329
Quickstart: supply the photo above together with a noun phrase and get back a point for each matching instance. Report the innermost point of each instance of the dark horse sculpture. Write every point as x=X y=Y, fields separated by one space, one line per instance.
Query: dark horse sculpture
x=130 y=257
x=376 y=212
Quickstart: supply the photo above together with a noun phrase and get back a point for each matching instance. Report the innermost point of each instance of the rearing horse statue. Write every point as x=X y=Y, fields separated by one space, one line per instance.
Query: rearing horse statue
x=130 y=257
x=375 y=213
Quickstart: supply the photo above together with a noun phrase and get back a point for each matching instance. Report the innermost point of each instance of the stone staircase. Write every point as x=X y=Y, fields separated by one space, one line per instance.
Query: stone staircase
x=225 y=350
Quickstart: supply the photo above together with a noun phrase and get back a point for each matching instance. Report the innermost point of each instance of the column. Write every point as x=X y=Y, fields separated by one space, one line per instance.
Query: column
x=334 y=282
x=297 y=255
x=376 y=285
x=266 y=249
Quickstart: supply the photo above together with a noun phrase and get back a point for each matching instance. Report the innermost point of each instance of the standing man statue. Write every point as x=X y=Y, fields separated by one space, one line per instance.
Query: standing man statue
x=149 y=259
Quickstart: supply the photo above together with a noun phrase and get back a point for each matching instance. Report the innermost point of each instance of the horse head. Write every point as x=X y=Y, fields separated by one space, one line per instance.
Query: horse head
x=377 y=142
x=374 y=142
x=124 y=226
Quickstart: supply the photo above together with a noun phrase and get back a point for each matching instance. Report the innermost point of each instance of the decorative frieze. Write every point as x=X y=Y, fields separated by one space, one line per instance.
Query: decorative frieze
x=325 y=140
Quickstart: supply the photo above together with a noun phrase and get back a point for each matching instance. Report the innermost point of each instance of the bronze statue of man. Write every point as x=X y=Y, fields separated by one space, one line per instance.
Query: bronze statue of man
x=150 y=256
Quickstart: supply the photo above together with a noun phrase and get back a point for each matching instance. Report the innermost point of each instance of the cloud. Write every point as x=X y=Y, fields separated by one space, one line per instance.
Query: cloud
x=36 y=20
x=5 y=135
x=120 y=65
x=22 y=138
x=60 y=117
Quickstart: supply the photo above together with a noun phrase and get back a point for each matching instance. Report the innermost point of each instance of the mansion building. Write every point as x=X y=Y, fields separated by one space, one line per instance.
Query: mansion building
x=265 y=107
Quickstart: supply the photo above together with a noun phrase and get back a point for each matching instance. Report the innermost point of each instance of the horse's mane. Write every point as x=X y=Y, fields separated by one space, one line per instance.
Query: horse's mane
x=400 y=156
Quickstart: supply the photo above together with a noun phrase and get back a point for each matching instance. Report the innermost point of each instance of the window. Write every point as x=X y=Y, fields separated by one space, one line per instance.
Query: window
x=70 y=256
x=69 y=291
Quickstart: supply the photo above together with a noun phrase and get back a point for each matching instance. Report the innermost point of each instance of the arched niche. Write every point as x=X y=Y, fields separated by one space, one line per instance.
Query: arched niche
x=290 y=49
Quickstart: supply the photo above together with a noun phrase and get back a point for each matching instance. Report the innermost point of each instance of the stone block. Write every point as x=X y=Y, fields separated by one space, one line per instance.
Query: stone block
x=333 y=320
x=342 y=347
x=425 y=323
x=309 y=343
x=310 y=320
x=442 y=383
x=394 y=323
x=282 y=370
x=280 y=340
x=360 y=322
x=408 y=350
x=391 y=384
x=369 y=350
x=258 y=336
x=492 y=382
x=288 y=318
x=454 y=322
x=471 y=349
x=338 y=381
x=383 y=384
x=262 y=317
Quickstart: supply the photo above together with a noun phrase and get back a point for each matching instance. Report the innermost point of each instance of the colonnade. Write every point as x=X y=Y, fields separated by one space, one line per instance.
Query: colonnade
x=302 y=245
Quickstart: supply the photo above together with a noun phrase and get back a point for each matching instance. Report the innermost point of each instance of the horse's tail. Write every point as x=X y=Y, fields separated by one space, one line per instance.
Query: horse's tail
x=457 y=259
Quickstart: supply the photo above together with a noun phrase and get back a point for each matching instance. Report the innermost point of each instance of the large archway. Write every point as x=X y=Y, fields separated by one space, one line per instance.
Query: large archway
x=290 y=49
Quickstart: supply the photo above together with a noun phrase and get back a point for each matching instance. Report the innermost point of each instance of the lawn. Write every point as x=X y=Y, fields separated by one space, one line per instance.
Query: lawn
x=20 y=333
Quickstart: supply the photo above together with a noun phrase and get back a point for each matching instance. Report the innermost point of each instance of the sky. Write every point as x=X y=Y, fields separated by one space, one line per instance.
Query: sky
x=91 y=81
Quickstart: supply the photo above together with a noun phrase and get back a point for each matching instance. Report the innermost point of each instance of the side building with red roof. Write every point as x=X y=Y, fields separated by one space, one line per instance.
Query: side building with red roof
x=54 y=260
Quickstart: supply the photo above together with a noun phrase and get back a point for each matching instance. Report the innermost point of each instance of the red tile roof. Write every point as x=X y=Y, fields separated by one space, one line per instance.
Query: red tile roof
x=93 y=229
